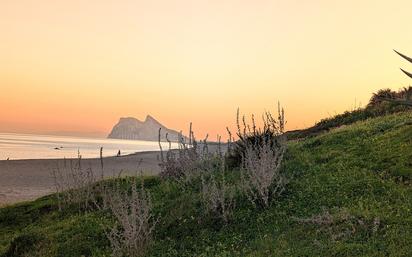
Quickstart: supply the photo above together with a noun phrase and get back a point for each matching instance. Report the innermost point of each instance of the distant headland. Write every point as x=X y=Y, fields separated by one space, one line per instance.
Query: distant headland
x=133 y=129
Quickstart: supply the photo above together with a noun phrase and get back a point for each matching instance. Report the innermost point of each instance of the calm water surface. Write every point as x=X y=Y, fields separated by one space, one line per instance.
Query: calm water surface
x=25 y=146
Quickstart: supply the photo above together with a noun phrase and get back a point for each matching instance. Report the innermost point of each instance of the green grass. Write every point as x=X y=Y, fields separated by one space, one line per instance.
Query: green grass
x=375 y=108
x=363 y=169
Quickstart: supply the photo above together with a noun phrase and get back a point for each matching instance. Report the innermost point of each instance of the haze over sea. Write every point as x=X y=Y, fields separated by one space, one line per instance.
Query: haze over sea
x=26 y=146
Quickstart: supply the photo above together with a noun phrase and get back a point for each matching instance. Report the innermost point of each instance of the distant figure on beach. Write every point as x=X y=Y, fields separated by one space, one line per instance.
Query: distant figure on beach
x=118 y=153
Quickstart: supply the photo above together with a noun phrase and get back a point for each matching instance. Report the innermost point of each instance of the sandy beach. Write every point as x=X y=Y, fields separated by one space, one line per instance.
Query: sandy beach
x=23 y=180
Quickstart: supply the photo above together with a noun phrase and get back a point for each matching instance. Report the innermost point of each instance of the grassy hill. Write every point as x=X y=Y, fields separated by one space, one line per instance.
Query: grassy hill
x=375 y=108
x=349 y=194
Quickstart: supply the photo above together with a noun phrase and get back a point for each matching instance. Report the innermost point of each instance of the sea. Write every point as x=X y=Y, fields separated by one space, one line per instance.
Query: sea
x=27 y=146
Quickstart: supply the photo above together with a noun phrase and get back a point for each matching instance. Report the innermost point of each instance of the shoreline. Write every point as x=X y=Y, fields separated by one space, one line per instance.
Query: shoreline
x=83 y=159
x=28 y=179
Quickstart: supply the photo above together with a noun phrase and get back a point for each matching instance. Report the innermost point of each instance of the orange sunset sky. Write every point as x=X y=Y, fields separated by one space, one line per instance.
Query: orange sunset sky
x=75 y=67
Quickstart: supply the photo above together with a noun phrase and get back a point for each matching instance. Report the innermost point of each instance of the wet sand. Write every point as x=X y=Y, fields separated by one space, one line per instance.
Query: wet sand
x=23 y=180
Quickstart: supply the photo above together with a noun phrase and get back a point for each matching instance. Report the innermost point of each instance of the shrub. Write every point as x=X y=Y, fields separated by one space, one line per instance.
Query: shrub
x=131 y=234
x=185 y=164
x=261 y=152
x=74 y=184
x=180 y=164
x=272 y=133
x=218 y=195
x=261 y=175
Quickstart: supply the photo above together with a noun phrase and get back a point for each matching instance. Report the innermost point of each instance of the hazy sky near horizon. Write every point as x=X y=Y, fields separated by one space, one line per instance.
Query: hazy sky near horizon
x=77 y=66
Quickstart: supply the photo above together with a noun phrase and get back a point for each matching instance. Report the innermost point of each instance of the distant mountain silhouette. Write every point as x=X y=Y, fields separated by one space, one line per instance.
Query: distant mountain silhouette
x=133 y=129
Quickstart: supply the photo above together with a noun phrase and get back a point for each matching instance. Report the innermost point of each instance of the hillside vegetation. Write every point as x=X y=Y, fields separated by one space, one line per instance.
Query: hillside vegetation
x=376 y=107
x=349 y=193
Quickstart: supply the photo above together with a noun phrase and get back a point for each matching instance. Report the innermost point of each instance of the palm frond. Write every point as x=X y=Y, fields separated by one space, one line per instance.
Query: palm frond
x=407 y=73
x=404 y=56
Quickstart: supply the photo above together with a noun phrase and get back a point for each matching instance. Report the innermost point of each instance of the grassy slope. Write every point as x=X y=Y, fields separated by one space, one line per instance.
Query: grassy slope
x=360 y=173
